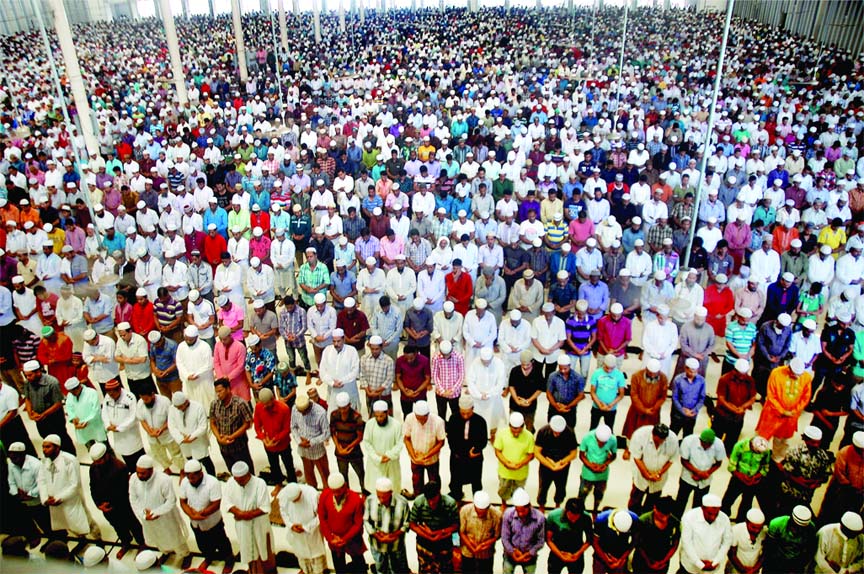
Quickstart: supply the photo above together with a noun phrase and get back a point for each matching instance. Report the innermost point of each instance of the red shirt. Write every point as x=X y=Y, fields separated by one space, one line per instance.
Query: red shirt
x=413 y=374
x=459 y=291
x=346 y=521
x=273 y=423
x=356 y=323
x=143 y=318
x=48 y=310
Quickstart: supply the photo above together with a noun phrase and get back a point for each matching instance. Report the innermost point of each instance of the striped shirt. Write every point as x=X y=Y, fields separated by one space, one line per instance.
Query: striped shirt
x=377 y=373
x=345 y=430
x=312 y=426
x=167 y=311
x=367 y=247
x=741 y=339
x=580 y=330
x=229 y=418
x=293 y=323
x=448 y=373
x=386 y=519
x=313 y=278
x=424 y=436
x=417 y=253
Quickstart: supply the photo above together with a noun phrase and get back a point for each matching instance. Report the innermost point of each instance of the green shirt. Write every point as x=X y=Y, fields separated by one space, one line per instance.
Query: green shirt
x=789 y=544
x=597 y=454
x=239 y=219
x=747 y=462
x=858 y=355
x=445 y=515
x=513 y=449
x=741 y=338
x=606 y=385
x=312 y=278
x=500 y=187
x=568 y=536
x=809 y=303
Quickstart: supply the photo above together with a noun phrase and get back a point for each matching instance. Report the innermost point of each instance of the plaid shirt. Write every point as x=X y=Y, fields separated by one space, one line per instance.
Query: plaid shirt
x=448 y=373
x=386 y=519
x=285 y=383
x=682 y=210
x=312 y=278
x=418 y=252
x=293 y=323
x=260 y=365
x=367 y=248
x=657 y=233
x=424 y=436
x=229 y=418
x=377 y=374
x=352 y=227
x=441 y=228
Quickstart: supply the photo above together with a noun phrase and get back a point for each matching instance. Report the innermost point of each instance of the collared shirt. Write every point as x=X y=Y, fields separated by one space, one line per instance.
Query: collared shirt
x=565 y=390
x=260 y=365
x=748 y=462
x=136 y=348
x=701 y=540
x=25 y=477
x=424 y=436
x=701 y=458
x=314 y=426
x=741 y=338
x=230 y=417
x=43 y=393
x=377 y=373
x=448 y=374
x=480 y=529
x=293 y=323
x=445 y=515
x=101 y=306
x=164 y=358
x=199 y=497
x=524 y=534
x=514 y=449
x=687 y=394
x=386 y=519
x=312 y=278
x=388 y=325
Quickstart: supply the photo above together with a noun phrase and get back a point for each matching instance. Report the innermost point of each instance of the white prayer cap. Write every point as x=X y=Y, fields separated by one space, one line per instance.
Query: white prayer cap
x=320 y=298
x=755 y=516
x=292 y=491
x=742 y=365
x=376 y=340
x=371 y=261
x=481 y=303
x=449 y=307
x=701 y=312
x=692 y=363
x=421 y=408
x=516 y=420
x=802 y=515
x=482 y=500
x=660 y=276
x=515 y=315
x=239 y=469
x=19 y=447
x=813 y=433
x=711 y=501
x=146 y=461
x=520 y=498
x=154 y=336
x=617 y=309
x=194 y=294
x=141 y=292
x=486 y=353
x=852 y=521
x=335 y=481
x=564 y=360
x=145 y=559
x=557 y=423
x=252 y=340
x=466 y=402
x=124 y=326
x=379 y=406
x=93 y=556
x=445 y=347
x=338 y=333
x=349 y=303
x=417 y=304
x=31 y=366
x=858 y=439
x=343 y=399
x=192 y=466
x=72 y=383
x=383 y=484
x=622 y=521
x=52 y=439
x=653 y=366
x=603 y=432
x=190 y=331
x=797 y=365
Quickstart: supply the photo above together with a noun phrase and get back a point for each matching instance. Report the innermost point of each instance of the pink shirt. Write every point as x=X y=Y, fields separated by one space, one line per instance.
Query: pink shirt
x=232 y=319
x=230 y=364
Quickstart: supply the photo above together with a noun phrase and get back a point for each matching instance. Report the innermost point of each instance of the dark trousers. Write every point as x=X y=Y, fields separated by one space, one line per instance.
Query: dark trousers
x=424 y=350
x=548 y=478
x=681 y=422
x=684 y=492
x=276 y=470
x=56 y=424
x=237 y=454
x=607 y=416
x=123 y=522
x=292 y=352
x=408 y=405
x=15 y=431
x=131 y=460
x=357 y=464
x=386 y=398
x=214 y=543
x=556 y=566
x=26 y=520
x=546 y=368
x=735 y=489
x=138 y=386
x=443 y=403
x=341 y=564
x=208 y=465
x=823 y=370
x=728 y=429
x=464 y=470
x=417 y=471
x=569 y=417
x=477 y=565
x=642 y=501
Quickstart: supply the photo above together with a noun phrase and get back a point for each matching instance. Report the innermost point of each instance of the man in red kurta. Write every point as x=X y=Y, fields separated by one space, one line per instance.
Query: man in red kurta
x=340 y=513
x=214 y=246
x=143 y=317
x=55 y=353
x=459 y=287
x=788 y=394
x=719 y=301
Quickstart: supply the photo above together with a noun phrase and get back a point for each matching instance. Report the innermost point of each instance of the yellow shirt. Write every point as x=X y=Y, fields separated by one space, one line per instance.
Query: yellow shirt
x=513 y=449
x=424 y=151
x=833 y=239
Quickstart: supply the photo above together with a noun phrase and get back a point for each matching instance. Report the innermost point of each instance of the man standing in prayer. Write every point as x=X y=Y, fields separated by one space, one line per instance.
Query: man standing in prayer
x=434 y=517
x=479 y=531
x=248 y=500
x=648 y=389
x=706 y=536
x=298 y=504
x=310 y=430
x=230 y=418
x=200 y=499
x=340 y=514
x=654 y=450
x=385 y=520
x=346 y=430
x=60 y=490
x=83 y=412
x=118 y=415
x=523 y=533
x=109 y=488
x=195 y=367
x=188 y=425
x=382 y=444
x=787 y=396
x=424 y=435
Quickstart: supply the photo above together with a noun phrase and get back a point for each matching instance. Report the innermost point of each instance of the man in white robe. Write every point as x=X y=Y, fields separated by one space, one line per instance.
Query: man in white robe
x=60 y=490
x=339 y=370
x=479 y=330
x=382 y=443
x=190 y=429
x=371 y=283
x=298 y=504
x=195 y=367
x=487 y=378
x=401 y=285
x=660 y=339
x=248 y=499
x=151 y=494
x=228 y=281
x=447 y=326
x=514 y=336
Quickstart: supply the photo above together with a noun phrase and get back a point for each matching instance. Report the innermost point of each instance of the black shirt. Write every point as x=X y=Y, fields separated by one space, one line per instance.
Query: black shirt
x=525 y=386
x=556 y=447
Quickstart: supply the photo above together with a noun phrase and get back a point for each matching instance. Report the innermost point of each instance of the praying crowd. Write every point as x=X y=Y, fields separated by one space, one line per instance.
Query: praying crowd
x=290 y=321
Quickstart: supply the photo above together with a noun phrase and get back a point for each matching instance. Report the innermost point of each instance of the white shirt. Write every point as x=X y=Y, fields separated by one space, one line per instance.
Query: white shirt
x=512 y=340
x=196 y=360
x=748 y=551
x=190 y=423
x=282 y=254
x=208 y=491
x=304 y=511
x=101 y=372
x=431 y=288
x=547 y=334
x=121 y=414
x=700 y=458
x=61 y=479
x=25 y=477
x=765 y=266
x=821 y=270
x=703 y=541
x=261 y=283
x=155 y=416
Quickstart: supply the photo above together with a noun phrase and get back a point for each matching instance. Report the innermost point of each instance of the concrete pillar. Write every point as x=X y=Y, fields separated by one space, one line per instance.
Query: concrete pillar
x=186 y=11
x=211 y=8
x=174 y=51
x=73 y=74
x=316 y=20
x=157 y=8
x=323 y=6
x=342 y=15
x=283 y=25
x=362 y=4
x=667 y=4
x=295 y=6
x=633 y=5
x=238 y=40
x=263 y=6
x=507 y=5
x=441 y=5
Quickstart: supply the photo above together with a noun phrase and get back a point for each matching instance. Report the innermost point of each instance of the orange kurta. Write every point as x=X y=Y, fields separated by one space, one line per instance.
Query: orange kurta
x=57 y=356
x=786 y=394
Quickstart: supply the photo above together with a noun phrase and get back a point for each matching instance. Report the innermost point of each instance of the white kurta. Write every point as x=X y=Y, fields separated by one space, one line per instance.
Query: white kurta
x=513 y=340
x=401 y=288
x=176 y=276
x=168 y=531
x=659 y=342
x=431 y=288
x=370 y=288
x=196 y=360
x=703 y=541
x=253 y=535
x=309 y=543
x=190 y=423
x=121 y=415
x=228 y=281
x=380 y=442
x=61 y=479
x=342 y=366
x=444 y=329
x=486 y=383
x=482 y=330
x=148 y=274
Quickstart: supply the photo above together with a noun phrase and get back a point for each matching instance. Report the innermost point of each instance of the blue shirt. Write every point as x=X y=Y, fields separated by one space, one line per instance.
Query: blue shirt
x=687 y=394
x=118 y=243
x=606 y=385
x=342 y=286
x=597 y=297
x=164 y=358
x=102 y=306
x=220 y=218
x=6 y=313
x=563 y=390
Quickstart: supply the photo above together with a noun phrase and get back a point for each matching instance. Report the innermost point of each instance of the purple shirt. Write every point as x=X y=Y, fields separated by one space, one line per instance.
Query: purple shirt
x=526 y=534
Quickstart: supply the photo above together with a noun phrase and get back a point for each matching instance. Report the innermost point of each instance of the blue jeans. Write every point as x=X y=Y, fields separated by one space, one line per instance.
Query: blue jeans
x=527 y=567
x=393 y=562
